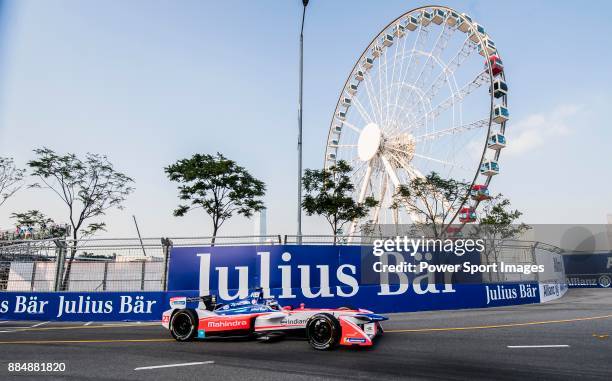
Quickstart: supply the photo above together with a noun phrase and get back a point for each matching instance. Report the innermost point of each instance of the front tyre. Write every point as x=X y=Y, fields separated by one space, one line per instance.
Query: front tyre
x=183 y=325
x=323 y=331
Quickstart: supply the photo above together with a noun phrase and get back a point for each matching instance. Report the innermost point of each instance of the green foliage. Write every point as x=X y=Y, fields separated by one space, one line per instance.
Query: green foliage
x=499 y=221
x=43 y=226
x=10 y=178
x=88 y=187
x=432 y=199
x=217 y=185
x=329 y=194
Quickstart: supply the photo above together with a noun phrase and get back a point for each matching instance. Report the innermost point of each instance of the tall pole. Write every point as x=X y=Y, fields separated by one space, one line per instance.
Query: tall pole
x=299 y=200
x=139 y=236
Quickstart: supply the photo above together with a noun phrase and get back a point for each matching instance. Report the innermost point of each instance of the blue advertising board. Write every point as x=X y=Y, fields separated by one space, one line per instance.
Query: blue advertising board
x=84 y=306
x=588 y=270
x=335 y=276
x=317 y=276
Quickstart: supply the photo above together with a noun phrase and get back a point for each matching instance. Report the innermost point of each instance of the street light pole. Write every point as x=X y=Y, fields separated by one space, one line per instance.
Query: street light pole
x=299 y=200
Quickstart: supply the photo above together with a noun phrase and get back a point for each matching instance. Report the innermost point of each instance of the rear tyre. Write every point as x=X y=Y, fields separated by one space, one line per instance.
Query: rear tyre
x=183 y=325
x=323 y=331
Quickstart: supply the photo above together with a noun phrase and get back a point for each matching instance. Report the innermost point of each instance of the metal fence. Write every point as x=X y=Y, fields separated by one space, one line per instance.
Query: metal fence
x=133 y=264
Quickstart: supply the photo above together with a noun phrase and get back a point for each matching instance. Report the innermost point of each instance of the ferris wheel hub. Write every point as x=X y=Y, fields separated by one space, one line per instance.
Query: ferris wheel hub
x=369 y=141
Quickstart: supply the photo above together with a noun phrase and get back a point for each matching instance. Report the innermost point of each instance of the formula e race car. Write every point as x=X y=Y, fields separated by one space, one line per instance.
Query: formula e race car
x=264 y=319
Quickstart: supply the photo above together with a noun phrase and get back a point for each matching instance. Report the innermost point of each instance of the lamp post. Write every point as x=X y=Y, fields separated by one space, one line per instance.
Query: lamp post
x=299 y=200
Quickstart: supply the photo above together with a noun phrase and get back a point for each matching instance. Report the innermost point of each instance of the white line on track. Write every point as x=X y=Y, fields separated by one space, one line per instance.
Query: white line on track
x=5 y=321
x=537 y=346
x=88 y=323
x=174 y=365
x=39 y=324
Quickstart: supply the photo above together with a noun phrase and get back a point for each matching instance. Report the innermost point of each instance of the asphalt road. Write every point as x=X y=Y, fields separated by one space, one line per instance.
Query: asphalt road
x=450 y=345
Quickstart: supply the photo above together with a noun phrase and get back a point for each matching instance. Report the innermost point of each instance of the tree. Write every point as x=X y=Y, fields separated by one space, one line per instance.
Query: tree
x=88 y=187
x=43 y=226
x=329 y=194
x=432 y=199
x=10 y=178
x=217 y=185
x=498 y=222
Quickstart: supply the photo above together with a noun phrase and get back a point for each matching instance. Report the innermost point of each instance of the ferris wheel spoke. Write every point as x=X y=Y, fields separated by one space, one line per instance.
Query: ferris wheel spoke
x=351 y=126
x=413 y=172
x=462 y=54
x=483 y=123
x=381 y=198
x=433 y=55
x=440 y=161
x=365 y=181
x=467 y=89
x=362 y=111
x=374 y=104
x=345 y=145
x=390 y=171
x=402 y=73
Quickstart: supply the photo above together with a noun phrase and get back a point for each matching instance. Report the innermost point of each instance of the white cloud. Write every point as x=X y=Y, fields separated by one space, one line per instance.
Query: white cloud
x=535 y=130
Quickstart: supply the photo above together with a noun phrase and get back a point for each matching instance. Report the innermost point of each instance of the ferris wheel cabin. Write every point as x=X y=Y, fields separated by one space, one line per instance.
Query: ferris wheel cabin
x=500 y=88
x=377 y=50
x=367 y=63
x=387 y=40
x=489 y=168
x=438 y=16
x=496 y=142
x=453 y=19
x=412 y=23
x=479 y=192
x=479 y=32
x=359 y=76
x=341 y=115
x=467 y=215
x=346 y=102
x=399 y=30
x=488 y=47
x=500 y=114
x=426 y=18
x=351 y=88
x=464 y=23
x=496 y=64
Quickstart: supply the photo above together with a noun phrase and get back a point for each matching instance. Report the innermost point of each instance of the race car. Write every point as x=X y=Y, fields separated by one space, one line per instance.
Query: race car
x=264 y=319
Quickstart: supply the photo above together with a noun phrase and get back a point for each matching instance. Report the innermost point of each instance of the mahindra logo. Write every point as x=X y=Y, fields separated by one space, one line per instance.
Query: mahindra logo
x=294 y=321
x=223 y=324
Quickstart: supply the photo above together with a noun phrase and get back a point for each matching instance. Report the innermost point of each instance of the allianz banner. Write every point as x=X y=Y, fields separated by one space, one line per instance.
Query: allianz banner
x=335 y=276
x=588 y=270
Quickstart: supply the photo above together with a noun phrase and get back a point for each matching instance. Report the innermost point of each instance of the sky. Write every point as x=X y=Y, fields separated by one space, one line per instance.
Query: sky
x=151 y=82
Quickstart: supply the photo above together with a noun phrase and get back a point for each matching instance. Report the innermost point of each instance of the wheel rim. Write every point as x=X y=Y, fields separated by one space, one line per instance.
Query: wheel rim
x=321 y=331
x=182 y=325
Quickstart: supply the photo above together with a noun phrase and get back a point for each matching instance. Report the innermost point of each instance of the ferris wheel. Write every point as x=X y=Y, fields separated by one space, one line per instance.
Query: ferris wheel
x=428 y=94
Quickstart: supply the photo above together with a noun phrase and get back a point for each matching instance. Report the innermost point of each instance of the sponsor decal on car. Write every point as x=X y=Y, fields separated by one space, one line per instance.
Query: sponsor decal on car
x=294 y=321
x=354 y=340
x=224 y=324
